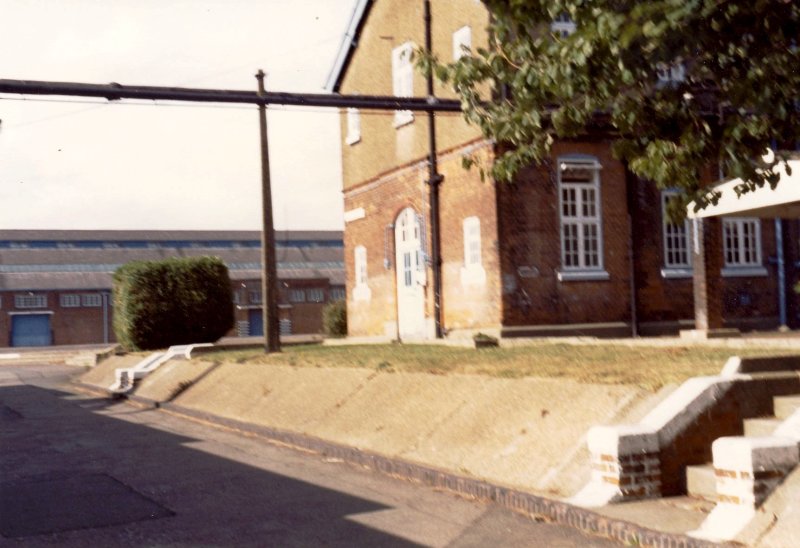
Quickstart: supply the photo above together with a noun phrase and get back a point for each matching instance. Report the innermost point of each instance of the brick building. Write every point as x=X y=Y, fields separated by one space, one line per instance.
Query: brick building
x=577 y=245
x=55 y=285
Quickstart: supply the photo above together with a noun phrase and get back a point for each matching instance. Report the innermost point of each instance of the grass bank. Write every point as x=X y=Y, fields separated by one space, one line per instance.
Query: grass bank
x=646 y=367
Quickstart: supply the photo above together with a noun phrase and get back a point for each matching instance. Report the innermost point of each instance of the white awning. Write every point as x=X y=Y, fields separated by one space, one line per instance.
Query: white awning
x=783 y=202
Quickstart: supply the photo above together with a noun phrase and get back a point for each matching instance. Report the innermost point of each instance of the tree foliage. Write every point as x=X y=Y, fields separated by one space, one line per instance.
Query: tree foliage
x=737 y=97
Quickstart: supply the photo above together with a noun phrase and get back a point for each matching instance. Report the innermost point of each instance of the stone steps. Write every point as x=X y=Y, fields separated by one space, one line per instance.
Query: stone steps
x=762 y=426
x=786 y=405
x=701 y=481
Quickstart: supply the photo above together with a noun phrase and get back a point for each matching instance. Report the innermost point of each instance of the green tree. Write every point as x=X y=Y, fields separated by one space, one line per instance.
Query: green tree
x=683 y=87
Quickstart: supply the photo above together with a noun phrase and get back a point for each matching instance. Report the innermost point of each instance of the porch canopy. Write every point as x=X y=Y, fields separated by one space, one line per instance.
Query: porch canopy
x=764 y=202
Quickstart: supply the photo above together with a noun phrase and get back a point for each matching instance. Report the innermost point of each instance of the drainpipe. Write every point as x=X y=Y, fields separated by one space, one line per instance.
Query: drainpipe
x=781 y=273
x=434 y=180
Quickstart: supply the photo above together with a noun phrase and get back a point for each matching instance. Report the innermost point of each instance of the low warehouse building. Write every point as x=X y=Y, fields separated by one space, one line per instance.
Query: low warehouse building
x=55 y=285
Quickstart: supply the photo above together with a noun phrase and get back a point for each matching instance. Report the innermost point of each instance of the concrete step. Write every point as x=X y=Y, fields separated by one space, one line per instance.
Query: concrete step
x=786 y=405
x=701 y=482
x=763 y=426
x=18 y=358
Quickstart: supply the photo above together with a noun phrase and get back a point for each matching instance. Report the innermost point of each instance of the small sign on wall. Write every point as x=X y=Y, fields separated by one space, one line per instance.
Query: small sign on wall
x=354 y=214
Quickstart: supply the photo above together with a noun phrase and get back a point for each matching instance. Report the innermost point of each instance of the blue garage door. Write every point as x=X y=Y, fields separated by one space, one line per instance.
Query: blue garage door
x=31 y=330
x=256 y=318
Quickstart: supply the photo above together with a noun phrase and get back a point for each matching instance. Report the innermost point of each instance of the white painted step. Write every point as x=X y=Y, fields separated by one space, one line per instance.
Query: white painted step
x=760 y=427
x=786 y=405
x=701 y=482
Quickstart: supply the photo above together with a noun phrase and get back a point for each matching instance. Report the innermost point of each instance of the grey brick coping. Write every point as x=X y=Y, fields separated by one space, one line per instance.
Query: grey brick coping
x=535 y=506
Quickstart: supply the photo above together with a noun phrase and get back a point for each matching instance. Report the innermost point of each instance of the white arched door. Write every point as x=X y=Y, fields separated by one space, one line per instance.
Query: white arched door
x=410 y=267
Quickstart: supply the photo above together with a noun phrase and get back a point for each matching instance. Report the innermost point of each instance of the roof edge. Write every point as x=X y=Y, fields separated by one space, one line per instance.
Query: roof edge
x=349 y=44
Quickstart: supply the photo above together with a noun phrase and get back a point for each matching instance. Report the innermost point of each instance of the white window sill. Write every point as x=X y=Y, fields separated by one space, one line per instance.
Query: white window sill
x=362 y=293
x=473 y=275
x=401 y=120
x=352 y=139
x=582 y=275
x=676 y=273
x=743 y=272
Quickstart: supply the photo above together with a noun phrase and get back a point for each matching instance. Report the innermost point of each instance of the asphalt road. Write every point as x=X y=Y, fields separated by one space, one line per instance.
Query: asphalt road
x=77 y=470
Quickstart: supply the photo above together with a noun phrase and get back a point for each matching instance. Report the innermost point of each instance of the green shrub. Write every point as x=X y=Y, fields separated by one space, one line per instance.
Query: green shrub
x=175 y=301
x=334 y=319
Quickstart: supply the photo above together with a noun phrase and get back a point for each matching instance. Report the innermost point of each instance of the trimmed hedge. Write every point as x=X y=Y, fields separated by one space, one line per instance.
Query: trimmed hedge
x=175 y=301
x=334 y=319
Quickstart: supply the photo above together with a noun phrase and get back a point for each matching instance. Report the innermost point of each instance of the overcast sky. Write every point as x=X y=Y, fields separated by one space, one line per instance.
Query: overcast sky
x=90 y=164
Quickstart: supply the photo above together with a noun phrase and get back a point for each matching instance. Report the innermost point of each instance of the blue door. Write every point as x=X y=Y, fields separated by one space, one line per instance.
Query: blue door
x=256 y=318
x=31 y=330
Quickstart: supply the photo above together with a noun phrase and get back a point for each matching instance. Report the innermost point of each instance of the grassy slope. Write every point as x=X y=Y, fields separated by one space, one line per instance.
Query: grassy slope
x=647 y=367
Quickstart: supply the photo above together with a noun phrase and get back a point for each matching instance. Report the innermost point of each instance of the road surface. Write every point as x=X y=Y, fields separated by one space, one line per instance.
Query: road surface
x=77 y=470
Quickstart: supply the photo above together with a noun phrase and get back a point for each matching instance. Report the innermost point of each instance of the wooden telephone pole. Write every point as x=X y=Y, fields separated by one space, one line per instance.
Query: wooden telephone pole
x=269 y=269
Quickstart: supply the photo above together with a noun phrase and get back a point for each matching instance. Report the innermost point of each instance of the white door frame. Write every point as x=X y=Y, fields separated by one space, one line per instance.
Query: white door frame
x=411 y=276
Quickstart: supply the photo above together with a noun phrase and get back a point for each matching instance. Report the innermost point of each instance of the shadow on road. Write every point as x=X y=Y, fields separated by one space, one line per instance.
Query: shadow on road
x=72 y=474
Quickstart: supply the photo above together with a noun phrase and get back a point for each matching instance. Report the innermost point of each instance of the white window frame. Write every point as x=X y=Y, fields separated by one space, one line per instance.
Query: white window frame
x=255 y=297
x=353 y=126
x=297 y=295
x=671 y=239
x=746 y=258
x=472 y=271
x=338 y=294
x=361 y=291
x=671 y=73
x=472 y=242
x=315 y=295
x=562 y=26
x=462 y=42
x=584 y=269
x=33 y=300
x=91 y=300
x=403 y=80
x=69 y=300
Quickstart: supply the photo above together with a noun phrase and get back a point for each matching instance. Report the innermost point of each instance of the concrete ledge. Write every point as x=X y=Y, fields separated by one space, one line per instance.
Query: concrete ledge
x=705 y=334
x=518 y=501
x=606 y=330
x=769 y=364
x=748 y=469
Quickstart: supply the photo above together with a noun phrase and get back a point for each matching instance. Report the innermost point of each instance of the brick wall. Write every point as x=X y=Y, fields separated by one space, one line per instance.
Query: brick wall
x=747 y=302
x=391 y=23
x=660 y=302
x=68 y=325
x=465 y=305
x=529 y=229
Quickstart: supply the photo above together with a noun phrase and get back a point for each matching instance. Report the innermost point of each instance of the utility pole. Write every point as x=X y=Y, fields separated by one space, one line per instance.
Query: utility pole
x=434 y=180
x=269 y=271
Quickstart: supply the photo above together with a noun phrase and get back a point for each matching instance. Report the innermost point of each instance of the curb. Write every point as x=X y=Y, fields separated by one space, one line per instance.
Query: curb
x=534 y=506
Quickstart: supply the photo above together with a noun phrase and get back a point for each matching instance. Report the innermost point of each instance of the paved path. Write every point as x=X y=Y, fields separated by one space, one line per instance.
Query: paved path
x=83 y=471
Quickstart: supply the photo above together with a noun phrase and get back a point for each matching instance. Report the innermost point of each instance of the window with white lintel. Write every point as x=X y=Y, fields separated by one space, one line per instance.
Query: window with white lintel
x=462 y=42
x=741 y=247
x=403 y=80
x=472 y=272
x=361 y=290
x=353 y=126
x=676 y=242
x=581 y=219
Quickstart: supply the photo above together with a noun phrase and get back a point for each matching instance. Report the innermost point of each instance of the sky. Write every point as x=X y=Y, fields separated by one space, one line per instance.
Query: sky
x=72 y=163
